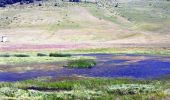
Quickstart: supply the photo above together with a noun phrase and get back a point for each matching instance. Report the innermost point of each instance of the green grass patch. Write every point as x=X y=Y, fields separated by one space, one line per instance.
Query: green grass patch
x=21 y=55
x=41 y=54
x=4 y=55
x=86 y=88
x=63 y=25
x=81 y=63
x=59 y=55
x=146 y=51
x=145 y=15
x=36 y=59
x=148 y=26
x=102 y=14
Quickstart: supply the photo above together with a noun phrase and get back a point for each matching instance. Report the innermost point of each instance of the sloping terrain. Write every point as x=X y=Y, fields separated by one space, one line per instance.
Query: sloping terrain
x=85 y=25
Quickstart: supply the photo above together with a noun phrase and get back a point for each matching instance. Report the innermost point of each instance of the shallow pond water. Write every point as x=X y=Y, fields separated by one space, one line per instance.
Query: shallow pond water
x=108 y=65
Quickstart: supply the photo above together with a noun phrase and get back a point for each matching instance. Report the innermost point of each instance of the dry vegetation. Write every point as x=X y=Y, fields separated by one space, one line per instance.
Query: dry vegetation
x=84 y=25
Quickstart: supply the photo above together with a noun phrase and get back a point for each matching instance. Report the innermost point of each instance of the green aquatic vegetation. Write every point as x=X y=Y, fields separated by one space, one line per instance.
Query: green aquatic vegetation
x=41 y=54
x=59 y=55
x=34 y=57
x=4 y=55
x=81 y=63
x=21 y=55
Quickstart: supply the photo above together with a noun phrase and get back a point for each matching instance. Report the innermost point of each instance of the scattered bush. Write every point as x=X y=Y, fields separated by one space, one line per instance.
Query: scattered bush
x=39 y=4
x=81 y=63
x=59 y=55
x=21 y=55
x=41 y=54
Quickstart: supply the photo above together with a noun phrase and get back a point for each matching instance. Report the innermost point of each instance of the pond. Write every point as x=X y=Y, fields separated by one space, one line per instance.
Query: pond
x=108 y=65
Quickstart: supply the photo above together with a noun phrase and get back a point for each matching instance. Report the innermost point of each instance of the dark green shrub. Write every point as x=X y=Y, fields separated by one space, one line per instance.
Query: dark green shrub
x=41 y=54
x=39 y=4
x=81 y=63
x=59 y=55
x=21 y=55
x=4 y=55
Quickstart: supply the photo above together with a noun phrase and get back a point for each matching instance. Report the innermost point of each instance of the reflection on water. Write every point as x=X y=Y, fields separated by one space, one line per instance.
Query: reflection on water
x=108 y=65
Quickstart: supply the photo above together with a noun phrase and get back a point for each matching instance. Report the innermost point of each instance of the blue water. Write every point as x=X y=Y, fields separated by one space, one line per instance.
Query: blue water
x=106 y=67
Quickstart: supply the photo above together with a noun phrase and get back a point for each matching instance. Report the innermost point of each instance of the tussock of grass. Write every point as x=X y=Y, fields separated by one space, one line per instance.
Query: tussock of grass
x=41 y=54
x=21 y=55
x=4 y=55
x=81 y=63
x=59 y=55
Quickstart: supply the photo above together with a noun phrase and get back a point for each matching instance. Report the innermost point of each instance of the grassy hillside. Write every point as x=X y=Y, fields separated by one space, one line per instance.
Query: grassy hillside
x=102 y=24
x=147 y=15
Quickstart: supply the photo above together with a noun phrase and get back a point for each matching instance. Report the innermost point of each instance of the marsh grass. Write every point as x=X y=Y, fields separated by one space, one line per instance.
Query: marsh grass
x=4 y=55
x=21 y=55
x=85 y=88
x=81 y=63
x=37 y=58
x=41 y=54
x=146 y=51
x=59 y=55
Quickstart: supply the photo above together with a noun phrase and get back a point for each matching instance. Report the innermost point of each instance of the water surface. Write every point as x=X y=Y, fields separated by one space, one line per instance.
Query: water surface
x=108 y=65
